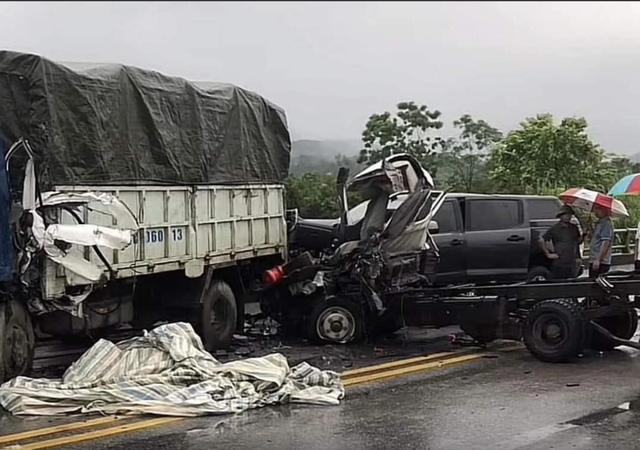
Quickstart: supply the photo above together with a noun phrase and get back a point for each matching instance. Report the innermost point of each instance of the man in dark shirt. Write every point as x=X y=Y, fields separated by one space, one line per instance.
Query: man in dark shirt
x=566 y=238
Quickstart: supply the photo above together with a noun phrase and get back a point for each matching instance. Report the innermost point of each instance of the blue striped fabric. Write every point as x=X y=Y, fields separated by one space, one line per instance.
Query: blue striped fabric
x=168 y=372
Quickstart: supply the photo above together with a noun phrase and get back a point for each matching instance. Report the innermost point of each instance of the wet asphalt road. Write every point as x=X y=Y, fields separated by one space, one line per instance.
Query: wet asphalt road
x=510 y=402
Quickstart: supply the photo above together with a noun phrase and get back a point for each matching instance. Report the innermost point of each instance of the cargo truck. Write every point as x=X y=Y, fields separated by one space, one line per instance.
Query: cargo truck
x=128 y=196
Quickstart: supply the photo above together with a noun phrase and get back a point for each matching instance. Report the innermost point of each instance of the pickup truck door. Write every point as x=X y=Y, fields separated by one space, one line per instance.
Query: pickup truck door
x=450 y=239
x=498 y=239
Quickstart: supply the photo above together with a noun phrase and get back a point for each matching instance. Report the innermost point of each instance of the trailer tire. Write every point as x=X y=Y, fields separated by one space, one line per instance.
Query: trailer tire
x=336 y=321
x=555 y=330
x=17 y=340
x=481 y=332
x=623 y=325
x=539 y=273
x=218 y=316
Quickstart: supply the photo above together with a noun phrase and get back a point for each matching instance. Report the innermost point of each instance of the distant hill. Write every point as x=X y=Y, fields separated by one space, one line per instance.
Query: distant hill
x=328 y=149
x=320 y=156
x=635 y=157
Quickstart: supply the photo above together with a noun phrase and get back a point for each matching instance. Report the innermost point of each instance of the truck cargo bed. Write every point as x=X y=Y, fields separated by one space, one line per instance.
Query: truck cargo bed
x=184 y=227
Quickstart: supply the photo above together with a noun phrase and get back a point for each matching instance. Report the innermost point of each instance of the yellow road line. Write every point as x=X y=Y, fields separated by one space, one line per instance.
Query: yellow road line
x=413 y=365
x=57 y=429
x=91 y=435
x=394 y=364
x=411 y=369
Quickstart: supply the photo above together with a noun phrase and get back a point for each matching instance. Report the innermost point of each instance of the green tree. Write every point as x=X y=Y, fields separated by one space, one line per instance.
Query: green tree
x=314 y=195
x=465 y=156
x=406 y=131
x=543 y=156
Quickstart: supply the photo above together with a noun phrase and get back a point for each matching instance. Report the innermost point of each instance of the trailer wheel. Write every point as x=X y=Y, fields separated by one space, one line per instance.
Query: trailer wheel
x=17 y=340
x=337 y=321
x=622 y=325
x=481 y=332
x=555 y=330
x=218 y=316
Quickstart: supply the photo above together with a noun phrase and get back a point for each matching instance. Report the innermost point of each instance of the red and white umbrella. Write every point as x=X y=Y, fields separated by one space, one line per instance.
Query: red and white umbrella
x=586 y=200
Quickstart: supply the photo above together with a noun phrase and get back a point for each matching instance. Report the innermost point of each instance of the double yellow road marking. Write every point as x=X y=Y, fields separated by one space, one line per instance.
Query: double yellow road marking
x=413 y=365
x=23 y=441
x=111 y=426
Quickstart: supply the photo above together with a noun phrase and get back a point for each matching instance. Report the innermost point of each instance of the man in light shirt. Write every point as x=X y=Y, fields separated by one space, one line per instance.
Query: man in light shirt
x=636 y=251
x=601 y=243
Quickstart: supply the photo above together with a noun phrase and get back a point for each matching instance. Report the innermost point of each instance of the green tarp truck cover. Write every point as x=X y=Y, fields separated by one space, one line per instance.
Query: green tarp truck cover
x=97 y=124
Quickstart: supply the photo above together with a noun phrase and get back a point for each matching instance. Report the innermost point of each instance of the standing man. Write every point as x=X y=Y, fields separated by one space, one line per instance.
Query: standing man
x=636 y=250
x=601 y=243
x=566 y=238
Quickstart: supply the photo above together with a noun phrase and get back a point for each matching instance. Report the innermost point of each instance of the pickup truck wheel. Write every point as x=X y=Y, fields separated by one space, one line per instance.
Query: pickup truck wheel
x=218 y=316
x=337 y=321
x=539 y=273
x=17 y=340
x=622 y=325
x=555 y=330
x=481 y=332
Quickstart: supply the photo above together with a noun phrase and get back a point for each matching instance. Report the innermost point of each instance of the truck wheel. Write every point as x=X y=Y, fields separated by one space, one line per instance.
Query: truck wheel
x=481 y=332
x=555 y=330
x=218 y=316
x=622 y=325
x=539 y=273
x=337 y=321
x=17 y=340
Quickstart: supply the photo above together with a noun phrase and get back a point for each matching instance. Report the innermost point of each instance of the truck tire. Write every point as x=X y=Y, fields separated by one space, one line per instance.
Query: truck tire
x=555 y=330
x=17 y=340
x=539 y=273
x=622 y=325
x=336 y=321
x=218 y=316
x=481 y=332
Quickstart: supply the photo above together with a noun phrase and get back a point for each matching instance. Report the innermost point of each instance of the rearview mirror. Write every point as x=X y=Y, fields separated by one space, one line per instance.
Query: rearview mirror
x=433 y=227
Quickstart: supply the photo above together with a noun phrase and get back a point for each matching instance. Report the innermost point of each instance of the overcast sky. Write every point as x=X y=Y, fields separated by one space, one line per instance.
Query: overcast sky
x=330 y=65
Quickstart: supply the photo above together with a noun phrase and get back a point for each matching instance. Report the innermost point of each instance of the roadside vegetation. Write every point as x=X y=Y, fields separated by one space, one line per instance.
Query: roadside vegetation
x=543 y=156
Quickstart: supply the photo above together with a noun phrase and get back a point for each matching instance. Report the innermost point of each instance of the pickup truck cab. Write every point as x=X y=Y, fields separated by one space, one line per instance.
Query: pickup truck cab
x=481 y=238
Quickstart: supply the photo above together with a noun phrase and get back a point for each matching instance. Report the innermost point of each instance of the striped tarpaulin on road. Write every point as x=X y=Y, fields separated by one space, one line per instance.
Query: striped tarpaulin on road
x=168 y=372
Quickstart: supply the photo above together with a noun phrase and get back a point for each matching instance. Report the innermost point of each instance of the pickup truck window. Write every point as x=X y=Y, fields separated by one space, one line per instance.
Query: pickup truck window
x=494 y=214
x=543 y=208
x=446 y=218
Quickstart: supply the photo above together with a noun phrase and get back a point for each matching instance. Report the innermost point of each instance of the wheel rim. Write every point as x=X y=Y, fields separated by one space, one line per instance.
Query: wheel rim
x=336 y=324
x=16 y=349
x=539 y=278
x=550 y=332
x=219 y=316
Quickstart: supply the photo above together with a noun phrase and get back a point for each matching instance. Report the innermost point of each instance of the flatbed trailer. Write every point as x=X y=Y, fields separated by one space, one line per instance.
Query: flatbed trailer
x=557 y=320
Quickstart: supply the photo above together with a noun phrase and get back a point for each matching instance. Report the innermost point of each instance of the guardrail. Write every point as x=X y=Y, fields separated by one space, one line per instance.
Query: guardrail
x=623 y=247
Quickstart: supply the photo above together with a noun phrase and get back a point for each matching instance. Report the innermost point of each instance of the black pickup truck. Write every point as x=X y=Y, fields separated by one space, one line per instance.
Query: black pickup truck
x=482 y=238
